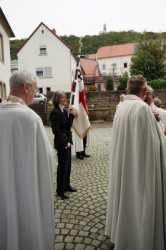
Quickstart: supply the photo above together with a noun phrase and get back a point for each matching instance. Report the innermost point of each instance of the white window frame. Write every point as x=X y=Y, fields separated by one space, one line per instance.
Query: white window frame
x=114 y=68
x=47 y=72
x=103 y=66
x=43 y=50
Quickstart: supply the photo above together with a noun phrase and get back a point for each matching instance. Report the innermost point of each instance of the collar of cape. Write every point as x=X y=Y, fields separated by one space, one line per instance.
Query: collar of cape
x=13 y=100
x=132 y=97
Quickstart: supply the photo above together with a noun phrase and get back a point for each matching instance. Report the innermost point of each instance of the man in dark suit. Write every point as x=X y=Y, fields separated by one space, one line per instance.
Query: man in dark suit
x=61 y=122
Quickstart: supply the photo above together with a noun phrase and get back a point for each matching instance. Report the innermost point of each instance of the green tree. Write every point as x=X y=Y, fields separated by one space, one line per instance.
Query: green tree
x=15 y=45
x=72 y=42
x=123 y=81
x=109 y=82
x=149 y=60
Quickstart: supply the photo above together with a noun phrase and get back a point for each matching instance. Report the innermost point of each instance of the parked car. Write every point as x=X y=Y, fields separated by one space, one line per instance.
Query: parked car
x=39 y=99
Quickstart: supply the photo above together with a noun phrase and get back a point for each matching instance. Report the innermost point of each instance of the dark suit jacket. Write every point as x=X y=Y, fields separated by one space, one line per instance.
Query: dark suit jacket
x=61 y=124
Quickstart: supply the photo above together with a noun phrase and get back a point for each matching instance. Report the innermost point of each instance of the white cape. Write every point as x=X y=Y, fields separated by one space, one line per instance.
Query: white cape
x=26 y=206
x=78 y=142
x=136 y=196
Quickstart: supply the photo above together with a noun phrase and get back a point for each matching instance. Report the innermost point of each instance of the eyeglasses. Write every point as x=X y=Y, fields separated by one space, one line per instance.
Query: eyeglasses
x=33 y=88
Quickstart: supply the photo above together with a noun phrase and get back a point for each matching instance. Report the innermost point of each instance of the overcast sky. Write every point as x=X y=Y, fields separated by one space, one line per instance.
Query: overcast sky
x=82 y=17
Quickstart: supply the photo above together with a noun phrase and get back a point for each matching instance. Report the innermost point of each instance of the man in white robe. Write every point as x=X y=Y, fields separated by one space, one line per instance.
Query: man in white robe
x=26 y=206
x=158 y=112
x=136 y=197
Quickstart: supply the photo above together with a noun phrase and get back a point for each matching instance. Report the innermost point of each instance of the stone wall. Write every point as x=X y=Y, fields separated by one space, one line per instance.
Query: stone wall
x=42 y=111
x=102 y=105
x=162 y=95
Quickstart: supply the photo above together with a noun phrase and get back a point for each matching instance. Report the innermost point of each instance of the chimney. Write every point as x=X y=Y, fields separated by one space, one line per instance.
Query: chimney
x=54 y=31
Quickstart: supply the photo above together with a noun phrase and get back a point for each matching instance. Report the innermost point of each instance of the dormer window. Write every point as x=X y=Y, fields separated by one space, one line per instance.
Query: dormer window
x=43 y=50
x=1 y=49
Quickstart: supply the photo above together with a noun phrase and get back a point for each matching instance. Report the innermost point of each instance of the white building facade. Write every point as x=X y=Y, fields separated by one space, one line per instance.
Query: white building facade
x=115 y=59
x=5 y=34
x=46 y=56
x=115 y=65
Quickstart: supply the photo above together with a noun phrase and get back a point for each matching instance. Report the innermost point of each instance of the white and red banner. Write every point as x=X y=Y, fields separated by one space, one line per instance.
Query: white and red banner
x=81 y=123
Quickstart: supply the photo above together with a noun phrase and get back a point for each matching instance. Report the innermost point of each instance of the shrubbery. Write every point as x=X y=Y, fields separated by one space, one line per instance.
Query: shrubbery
x=109 y=82
x=158 y=83
x=123 y=81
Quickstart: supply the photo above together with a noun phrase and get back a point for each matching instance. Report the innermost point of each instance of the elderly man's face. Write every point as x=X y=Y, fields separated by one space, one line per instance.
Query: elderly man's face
x=30 y=91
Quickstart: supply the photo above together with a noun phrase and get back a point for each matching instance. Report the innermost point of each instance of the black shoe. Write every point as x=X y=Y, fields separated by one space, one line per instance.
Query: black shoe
x=62 y=196
x=80 y=157
x=71 y=189
x=85 y=155
x=112 y=246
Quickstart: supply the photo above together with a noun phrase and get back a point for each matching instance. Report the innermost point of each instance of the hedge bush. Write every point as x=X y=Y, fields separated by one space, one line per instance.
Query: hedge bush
x=158 y=83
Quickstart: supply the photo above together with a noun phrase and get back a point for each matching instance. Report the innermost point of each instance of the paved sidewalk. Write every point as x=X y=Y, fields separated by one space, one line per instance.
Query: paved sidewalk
x=80 y=221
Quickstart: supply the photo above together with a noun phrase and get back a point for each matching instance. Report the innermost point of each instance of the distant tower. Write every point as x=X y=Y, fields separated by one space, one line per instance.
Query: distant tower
x=104 y=28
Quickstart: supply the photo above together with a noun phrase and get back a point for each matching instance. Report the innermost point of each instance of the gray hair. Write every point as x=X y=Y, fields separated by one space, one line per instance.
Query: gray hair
x=150 y=89
x=57 y=96
x=157 y=102
x=21 y=77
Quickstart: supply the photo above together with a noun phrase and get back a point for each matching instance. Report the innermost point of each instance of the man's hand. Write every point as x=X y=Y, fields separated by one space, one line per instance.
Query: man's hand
x=157 y=116
x=73 y=111
x=68 y=145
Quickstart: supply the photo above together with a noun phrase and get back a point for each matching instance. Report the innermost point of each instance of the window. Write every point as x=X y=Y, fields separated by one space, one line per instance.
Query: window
x=43 y=50
x=48 y=72
x=41 y=90
x=2 y=90
x=104 y=66
x=1 y=49
x=48 y=89
x=114 y=67
x=45 y=72
x=125 y=65
x=40 y=73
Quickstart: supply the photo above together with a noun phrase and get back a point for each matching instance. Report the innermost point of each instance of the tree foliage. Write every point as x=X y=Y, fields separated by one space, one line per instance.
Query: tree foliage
x=123 y=81
x=150 y=60
x=158 y=83
x=15 y=45
x=92 y=43
x=109 y=82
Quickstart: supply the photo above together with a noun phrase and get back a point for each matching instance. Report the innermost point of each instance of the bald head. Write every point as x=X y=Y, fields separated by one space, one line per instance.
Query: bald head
x=23 y=85
x=21 y=77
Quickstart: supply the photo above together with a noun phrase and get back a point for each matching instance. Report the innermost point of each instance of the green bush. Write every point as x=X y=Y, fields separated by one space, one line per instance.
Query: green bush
x=109 y=82
x=158 y=83
x=123 y=81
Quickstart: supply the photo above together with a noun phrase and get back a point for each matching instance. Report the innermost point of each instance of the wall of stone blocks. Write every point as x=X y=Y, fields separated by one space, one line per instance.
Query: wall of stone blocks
x=102 y=105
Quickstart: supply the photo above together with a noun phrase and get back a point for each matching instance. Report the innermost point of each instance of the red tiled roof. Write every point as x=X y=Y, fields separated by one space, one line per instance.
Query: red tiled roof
x=52 y=31
x=90 y=67
x=91 y=56
x=116 y=50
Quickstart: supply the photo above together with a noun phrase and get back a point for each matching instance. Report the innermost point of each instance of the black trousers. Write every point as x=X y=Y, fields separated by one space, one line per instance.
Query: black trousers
x=63 y=170
x=84 y=147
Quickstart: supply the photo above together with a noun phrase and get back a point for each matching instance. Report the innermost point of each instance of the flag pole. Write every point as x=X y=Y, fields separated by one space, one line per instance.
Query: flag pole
x=77 y=73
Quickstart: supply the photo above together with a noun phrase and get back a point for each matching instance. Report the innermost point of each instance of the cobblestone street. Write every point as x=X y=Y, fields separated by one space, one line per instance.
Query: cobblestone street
x=80 y=221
